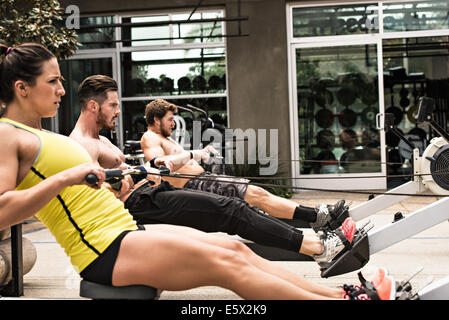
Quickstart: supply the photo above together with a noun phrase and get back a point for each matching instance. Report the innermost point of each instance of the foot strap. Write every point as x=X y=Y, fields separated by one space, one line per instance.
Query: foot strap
x=369 y=287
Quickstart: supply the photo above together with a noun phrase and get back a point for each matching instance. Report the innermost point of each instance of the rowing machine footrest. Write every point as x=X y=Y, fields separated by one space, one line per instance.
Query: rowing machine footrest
x=351 y=260
x=97 y=291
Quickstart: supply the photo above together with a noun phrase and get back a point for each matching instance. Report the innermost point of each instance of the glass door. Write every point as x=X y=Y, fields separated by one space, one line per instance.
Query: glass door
x=75 y=70
x=336 y=102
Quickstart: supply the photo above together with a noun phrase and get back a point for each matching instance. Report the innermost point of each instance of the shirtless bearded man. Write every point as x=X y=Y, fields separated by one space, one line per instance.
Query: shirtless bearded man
x=157 y=144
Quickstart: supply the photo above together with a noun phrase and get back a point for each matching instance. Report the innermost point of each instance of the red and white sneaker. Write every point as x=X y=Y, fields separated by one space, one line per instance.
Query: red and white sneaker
x=376 y=289
x=386 y=290
x=349 y=228
x=335 y=241
x=379 y=276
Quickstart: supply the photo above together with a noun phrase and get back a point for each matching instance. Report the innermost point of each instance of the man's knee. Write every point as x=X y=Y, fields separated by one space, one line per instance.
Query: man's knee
x=256 y=193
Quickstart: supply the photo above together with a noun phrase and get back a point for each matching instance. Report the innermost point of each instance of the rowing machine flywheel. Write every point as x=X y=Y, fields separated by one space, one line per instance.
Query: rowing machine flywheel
x=435 y=165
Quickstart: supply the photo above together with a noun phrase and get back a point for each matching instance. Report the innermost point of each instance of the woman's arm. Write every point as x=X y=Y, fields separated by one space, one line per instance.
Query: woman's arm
x=19 y=205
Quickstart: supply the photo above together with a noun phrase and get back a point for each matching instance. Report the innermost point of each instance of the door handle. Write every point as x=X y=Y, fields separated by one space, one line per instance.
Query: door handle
x=379 y=124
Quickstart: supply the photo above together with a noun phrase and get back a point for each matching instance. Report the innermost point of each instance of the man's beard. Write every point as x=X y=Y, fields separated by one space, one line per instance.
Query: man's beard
x=104 y=124
x=164 y=133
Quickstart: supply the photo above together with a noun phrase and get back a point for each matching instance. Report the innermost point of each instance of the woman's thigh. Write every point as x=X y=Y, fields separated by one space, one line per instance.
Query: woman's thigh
x=170 y=259
x=210 y=238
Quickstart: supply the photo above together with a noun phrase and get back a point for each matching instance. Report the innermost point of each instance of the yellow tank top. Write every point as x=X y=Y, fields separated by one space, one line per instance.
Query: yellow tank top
x=83 y=220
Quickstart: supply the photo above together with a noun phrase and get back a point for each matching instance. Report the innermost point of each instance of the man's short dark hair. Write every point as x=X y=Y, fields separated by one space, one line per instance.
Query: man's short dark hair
x=158 y=108
x=95 y=88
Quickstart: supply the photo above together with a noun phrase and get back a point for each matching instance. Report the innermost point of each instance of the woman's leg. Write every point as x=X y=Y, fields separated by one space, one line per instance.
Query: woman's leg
x=251 y=257
x=178 y=258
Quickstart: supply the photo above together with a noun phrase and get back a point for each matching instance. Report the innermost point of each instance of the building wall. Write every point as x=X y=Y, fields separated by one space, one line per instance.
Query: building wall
x=257 y=64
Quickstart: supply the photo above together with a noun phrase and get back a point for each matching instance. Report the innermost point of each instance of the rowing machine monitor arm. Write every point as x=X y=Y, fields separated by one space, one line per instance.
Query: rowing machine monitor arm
x=425 y=109
x=389 y=126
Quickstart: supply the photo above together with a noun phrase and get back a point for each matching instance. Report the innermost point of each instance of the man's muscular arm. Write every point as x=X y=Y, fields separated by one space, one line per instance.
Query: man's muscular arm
x=151 y=145
x=92 y=149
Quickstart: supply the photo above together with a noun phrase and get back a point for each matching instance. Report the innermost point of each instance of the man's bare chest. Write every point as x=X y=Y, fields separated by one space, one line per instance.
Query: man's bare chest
x=171 y=147
x=109 y=156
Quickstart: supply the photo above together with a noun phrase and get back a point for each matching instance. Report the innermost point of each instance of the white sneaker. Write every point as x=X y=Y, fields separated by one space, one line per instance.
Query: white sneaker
x=334 y=242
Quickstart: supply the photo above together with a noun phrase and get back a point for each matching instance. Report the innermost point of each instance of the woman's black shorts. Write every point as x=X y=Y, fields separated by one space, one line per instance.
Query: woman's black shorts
x=100 y=270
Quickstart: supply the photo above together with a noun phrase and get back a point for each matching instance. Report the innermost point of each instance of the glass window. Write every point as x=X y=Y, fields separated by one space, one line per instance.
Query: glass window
x=415 y=15
x=191 y=66
x=146 y=35
x=335 y=20
x=413 y=67
x=198 y=32
x=173 y=72
x=95 y=38
x=337 y=105
x=178 y=32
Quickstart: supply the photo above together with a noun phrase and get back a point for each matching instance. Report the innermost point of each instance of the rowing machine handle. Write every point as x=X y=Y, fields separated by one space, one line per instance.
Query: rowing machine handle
x=164 y=171
x=216 y=156
x=111 y=176
x=91 y=179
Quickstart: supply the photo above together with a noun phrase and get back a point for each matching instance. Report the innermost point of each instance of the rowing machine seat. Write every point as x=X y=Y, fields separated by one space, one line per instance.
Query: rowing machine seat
x=97 y=291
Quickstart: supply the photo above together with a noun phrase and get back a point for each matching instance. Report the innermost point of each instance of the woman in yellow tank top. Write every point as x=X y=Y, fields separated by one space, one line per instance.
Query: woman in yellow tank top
x=44 y=173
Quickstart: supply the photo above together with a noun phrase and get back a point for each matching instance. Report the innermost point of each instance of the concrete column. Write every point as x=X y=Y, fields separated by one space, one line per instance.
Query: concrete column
x=258 y=71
